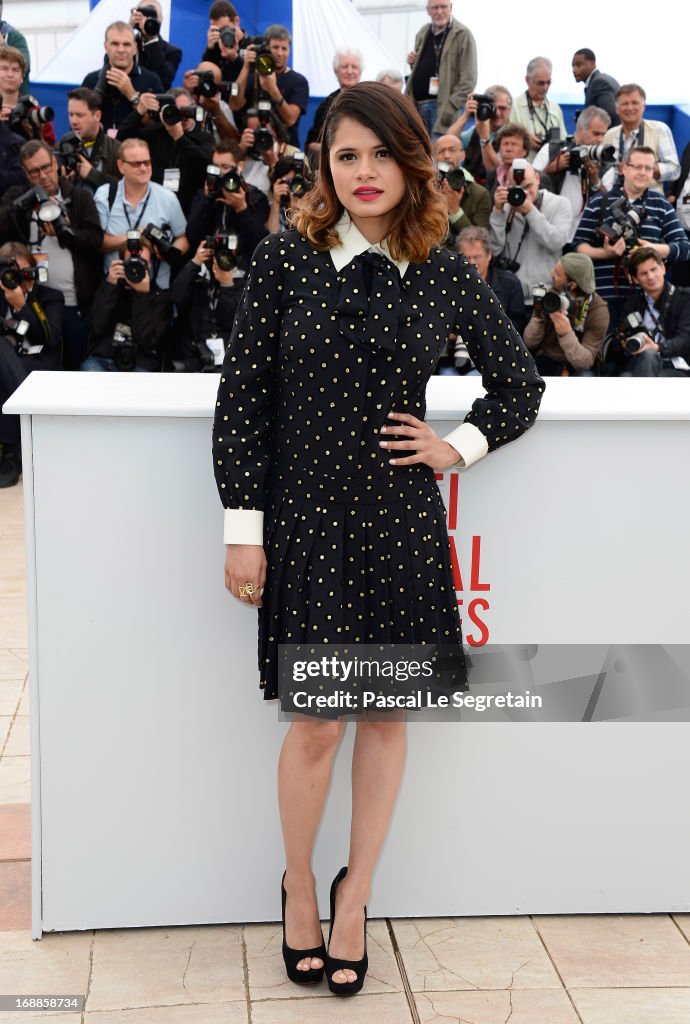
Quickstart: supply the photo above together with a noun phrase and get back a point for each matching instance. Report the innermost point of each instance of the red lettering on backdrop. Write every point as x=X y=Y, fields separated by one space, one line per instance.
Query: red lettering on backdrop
x=474 y=566
x=477 y=605
x=483 y=637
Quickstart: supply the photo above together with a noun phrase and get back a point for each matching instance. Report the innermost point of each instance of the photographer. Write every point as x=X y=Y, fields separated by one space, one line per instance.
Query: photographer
x=659 y=346
x=206 y=295
x=88 y=156
x=23 y=114
x=155 y=54
x=533 y=110
x=613 y=223
x=58 y=219
x=576 y=173
x=529 y=227
x=475 y=246
x=30 y=325
x=569 y=322
x=205 y=84
x=491 y=112
x=512 y=143
x=180 y=148
x=121 y=81
x=131 y=315
x=468 y=204
x=222 y=47
x=228 y=205
x=287 y=90
x=137 y=203
x=636 y=131
x=262 y=145
x=291 y=179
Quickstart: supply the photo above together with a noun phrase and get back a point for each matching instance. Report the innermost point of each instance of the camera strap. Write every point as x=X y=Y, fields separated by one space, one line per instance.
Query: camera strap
x=43 y=319
x=533 y=113
x=437 y=42
x=133 y=227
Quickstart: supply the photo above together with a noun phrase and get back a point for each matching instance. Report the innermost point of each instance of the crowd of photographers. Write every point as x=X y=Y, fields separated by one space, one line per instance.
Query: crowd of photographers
x=124 y=244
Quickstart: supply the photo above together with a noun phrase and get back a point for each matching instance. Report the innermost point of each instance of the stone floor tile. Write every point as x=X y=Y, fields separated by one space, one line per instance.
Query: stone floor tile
x=5 y=725
x=234 y=1012
x=10 y=697
x=15 y=895
x=15 y=831
x=18 y=743
x=13 y=584
x=137 y=967
x=11 y=665
x=15 y=780
x=13 y=617
x=522 y=1006
x=56 y=965
x=616 y=951
x=266 y=970
x=632 y=1005
x=24 y=703
x=683 y=922
x=391 y=1008
x=443 y=953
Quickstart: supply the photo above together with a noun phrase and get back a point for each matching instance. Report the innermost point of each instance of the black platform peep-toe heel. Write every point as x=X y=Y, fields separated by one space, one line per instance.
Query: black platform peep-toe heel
x=293 y=956
x=334 y=963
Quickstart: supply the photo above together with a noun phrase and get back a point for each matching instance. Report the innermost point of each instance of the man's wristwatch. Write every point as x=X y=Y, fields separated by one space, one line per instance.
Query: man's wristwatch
x=484 y=142
x=135 y=99
x=279 y=103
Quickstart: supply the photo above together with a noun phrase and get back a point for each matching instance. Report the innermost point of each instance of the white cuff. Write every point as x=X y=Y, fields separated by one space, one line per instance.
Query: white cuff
x=469 y=441
x=243 y=526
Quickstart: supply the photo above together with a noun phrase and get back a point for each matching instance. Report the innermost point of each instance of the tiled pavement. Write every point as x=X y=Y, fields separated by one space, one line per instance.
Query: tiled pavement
x=608 y=969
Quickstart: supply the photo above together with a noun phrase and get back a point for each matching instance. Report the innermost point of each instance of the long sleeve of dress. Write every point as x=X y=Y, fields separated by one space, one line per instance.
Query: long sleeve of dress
x=245 y=407
x=513 y=386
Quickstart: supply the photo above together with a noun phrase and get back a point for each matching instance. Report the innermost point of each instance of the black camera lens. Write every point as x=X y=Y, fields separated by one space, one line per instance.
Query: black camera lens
x=11 y=277
x=485 y=107
x=516 y=195
x=170 y=114
x=553 y=303
x=135 y=269
x=231 y=182
x=227 y=36
x=265 y=64
x=456 y=179
x=263 y=139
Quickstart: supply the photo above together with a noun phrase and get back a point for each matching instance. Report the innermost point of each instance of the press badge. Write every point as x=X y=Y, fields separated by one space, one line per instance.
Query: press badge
x=171 y=179
x=433 y=86
x=218 y=349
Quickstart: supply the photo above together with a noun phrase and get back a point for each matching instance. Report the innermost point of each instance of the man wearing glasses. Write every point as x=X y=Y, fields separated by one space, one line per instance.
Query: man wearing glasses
x=533 y=109
x=444 y=68
x=659 y=228
x=137 y=202
x=69 y=244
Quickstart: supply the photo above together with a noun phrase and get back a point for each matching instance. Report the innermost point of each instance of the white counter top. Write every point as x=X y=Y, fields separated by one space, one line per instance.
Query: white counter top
x=193 y=395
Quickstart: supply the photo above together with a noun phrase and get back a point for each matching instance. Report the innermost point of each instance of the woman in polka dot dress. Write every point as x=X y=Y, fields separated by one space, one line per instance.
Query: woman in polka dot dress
x=334 y=523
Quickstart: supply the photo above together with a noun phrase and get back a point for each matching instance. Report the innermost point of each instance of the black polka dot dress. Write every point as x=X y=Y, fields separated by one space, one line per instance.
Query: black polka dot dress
x=357 y=549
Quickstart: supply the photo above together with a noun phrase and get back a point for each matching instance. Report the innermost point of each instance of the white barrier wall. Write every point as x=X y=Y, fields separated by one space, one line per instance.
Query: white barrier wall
x=154 y=755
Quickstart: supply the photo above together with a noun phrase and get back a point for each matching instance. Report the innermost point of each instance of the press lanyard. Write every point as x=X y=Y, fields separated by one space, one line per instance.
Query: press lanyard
x=535 y=116
x=438 y=46
x=141 y=211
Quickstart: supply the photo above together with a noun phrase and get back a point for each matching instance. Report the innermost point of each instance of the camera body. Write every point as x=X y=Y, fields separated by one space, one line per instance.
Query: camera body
x=123 y=348
x=152 y=25
x=547 y=300
x=516 y=193
x=632 y=332
x=455 y=176
x=135 y=266
x=228 y=36
x=299 y=185
x=505 y=263
x=29 y=111
x=208 y=87
x=224 y=249
x=217 y=182
x=15 y=331
x=263 y=136
x=70 y=150
x=160 y=237
x=625 y=222
x=486 y=107
x=265 y=64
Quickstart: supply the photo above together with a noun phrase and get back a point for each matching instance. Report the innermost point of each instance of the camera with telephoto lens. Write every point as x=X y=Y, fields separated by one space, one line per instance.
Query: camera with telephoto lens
x=633 y=333
x=70 y=151
x=455 y=176
x=265 y=63
x=160 y=237
x=486 y=106
x=625 y=220
x=29 y=111
x=48 y=210
x=167 y=110
x=516 y=193
x=135 y=266
x=224 y=249
x=546 y=300
x=12 y=275
x=600 y=154
x=208 y=87
x=152 y=25
x=123 y=348
x=15 y=331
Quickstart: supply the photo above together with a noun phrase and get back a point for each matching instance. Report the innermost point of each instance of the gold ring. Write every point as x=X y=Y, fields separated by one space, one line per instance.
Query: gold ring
x=247 y=590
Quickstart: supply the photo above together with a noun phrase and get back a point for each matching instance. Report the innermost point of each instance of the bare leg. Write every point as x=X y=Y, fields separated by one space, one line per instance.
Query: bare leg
x=304 y=774
x=377 y=765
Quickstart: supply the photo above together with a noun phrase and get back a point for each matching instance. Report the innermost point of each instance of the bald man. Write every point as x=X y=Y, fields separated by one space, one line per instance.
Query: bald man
x=469 y=205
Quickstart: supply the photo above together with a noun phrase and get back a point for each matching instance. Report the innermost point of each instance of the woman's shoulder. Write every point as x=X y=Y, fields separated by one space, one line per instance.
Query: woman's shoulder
x=281 y=247
x=452 y=263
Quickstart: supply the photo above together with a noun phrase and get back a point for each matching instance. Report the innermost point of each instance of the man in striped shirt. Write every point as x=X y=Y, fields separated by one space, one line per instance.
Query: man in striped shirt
x=659 y=228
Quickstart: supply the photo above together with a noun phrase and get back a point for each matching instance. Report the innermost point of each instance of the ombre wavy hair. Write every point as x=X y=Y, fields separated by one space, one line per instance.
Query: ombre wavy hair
x=421 y=219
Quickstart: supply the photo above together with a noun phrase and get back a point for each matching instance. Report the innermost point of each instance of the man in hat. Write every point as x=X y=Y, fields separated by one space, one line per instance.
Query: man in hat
x=569 y=341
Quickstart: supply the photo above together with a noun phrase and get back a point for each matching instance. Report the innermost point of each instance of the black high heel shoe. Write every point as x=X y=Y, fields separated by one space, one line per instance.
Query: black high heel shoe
x=334 y=963
x=293 y=956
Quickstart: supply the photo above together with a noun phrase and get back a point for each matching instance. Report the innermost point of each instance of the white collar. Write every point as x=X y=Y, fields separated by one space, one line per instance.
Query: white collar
x=353 y=243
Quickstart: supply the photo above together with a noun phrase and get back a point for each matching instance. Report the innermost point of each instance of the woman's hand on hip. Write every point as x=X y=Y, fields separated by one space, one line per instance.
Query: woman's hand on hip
x=245 y=572
x=422 y=441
